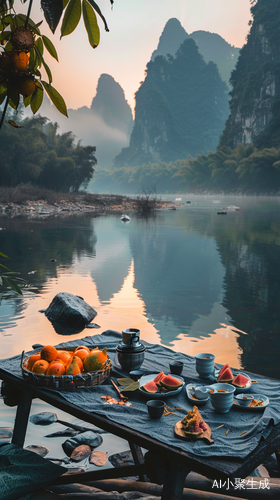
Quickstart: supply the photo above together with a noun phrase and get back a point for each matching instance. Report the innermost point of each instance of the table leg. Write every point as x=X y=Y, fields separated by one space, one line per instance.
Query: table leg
x=138 y=458
x=22 y=416
x=174 y=483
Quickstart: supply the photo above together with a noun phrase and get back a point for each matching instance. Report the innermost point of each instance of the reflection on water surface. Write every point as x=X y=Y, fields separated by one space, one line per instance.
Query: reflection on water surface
x=188 y=279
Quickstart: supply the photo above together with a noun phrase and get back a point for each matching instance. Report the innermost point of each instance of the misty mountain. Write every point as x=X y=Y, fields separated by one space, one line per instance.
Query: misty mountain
x=255 y=96
x=181 y=109
x=210 y=45
x=107 y=124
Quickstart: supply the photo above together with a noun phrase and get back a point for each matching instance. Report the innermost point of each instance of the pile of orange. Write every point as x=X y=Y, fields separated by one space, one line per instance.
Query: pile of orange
x=52 y=361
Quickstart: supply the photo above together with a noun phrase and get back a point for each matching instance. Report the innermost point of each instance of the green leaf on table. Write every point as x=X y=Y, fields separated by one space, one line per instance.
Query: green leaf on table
x=71 y=17
x=56 y=98
x=3 y=255
x=125 y=381
x=91 y=24
x=131 y=387
x=50 y=47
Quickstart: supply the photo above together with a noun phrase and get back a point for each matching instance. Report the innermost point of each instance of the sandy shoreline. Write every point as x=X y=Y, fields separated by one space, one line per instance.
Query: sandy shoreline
x=102 y=206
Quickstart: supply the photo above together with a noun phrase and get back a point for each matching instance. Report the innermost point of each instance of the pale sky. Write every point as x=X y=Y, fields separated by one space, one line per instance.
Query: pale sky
x=135 y=27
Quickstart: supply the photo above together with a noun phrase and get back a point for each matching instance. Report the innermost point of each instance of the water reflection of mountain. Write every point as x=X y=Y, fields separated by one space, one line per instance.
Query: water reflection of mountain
x=250 y=252
x=178 y=274
x=112 y=258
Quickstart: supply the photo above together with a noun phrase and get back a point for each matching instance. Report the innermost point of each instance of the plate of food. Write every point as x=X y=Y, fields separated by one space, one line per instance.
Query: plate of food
x=257 y=403
x=159 y=385
x=193 y=427
x=239 y=380
x=192 y=398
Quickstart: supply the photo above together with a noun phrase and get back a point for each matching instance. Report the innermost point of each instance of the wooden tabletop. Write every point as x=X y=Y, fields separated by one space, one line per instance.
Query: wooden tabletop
x=214 y=467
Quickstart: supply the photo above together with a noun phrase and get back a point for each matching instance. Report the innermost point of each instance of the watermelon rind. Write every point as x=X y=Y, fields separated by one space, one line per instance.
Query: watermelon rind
x=226 y=376
x=240 y=377
x=170 y=383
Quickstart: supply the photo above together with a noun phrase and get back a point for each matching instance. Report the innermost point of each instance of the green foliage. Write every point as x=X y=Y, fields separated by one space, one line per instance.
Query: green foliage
x=15 y=79
x=37 y=154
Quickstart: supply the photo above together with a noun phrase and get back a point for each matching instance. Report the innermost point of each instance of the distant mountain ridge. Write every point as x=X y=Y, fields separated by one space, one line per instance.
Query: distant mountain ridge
x=210 y=45
x=181 y=109
x=107 y=124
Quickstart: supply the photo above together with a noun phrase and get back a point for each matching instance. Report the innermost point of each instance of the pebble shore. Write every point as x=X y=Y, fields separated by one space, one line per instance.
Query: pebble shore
x=41 y=208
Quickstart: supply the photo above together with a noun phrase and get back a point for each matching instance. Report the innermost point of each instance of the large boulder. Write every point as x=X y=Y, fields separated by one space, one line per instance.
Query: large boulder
x=71 y=310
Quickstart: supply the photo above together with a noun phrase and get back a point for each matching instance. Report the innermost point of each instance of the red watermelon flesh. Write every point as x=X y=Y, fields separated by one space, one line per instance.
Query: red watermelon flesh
x=223 y=369
x=240 y=380
x=150 y=387
x=226 y=376
x=158 y=377
x=170 y=383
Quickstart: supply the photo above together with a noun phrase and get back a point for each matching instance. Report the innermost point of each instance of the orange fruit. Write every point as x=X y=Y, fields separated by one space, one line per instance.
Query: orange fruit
x=31 y=361
x=82 y=347
x=49 y=353
x=73 y=368
x=64 y=356
x=95 y=361
x=56 y=368
x=94 y=350
x=81 y=353
x=40 y=366
x=21 y=60
x=79 y=361
x=26 y=86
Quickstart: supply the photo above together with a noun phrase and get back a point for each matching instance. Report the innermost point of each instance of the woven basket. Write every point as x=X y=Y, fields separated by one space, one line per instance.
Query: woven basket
x=65 y=382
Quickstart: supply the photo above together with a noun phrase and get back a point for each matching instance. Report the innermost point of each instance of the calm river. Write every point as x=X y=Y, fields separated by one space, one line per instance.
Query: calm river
x=189 y=279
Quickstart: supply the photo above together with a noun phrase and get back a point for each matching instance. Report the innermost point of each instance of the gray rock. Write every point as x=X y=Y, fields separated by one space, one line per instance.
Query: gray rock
x=70 y=309
x=89 y=438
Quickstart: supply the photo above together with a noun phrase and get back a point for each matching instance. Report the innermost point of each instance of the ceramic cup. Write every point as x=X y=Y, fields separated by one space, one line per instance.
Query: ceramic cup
x=131 y=336
x=176 y=367
x=222 y=397
x=136 y=374
x=204 y=364
x=155 y=408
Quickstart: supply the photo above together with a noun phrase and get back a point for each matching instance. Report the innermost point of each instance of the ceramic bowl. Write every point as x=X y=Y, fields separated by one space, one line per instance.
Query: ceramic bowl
x=155 y=408
x=222 y=397
x=176 y=367
x=244 y=399
x=205 y=364
x=201 y=391
x=136 y=374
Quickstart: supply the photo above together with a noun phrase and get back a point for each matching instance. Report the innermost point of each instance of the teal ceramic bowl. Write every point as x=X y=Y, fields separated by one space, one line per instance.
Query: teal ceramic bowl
x=204 y=364
x=222 y=397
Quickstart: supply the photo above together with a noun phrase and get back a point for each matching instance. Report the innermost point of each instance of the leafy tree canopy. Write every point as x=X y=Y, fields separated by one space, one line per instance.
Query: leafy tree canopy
x=22 y=47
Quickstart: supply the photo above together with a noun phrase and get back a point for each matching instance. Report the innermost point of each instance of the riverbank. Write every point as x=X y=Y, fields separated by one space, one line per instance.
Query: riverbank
x=32 y=201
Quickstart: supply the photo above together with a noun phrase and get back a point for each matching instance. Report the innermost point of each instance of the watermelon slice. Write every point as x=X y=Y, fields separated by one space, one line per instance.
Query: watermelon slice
x=240 y=380
x=226 y=376
x=170 y=383
x=158 y=377
x=223 y=369
x=150 y=387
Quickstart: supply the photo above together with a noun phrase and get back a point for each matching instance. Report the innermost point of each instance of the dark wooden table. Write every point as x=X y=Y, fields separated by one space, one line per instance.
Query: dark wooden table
x=179 y=463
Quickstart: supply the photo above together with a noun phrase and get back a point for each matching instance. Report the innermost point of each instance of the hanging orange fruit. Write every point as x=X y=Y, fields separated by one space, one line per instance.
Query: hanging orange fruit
x=21 y=60
x=25 y=86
